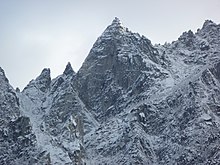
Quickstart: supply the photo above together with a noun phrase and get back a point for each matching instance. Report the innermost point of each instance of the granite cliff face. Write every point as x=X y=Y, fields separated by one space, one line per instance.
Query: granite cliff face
x=131 y=102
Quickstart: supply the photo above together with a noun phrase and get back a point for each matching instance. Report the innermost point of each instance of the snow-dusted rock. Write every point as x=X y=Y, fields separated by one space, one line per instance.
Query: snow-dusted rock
x=17 y=141
x=131 y=102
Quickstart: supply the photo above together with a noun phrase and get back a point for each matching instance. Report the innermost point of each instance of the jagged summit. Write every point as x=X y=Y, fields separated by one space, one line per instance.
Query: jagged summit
x=3 y=78
x=2 y=72
x=116 y=22
x=114 y=29
x=42 y=82
x=68 y=70
x=44 y=74
x=207 y=23
x=209 y=26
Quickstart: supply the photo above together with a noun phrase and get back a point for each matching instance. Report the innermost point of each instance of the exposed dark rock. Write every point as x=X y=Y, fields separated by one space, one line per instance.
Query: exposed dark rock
x=68 y=70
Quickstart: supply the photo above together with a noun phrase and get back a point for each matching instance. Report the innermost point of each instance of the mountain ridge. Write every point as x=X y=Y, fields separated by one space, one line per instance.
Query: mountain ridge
x=131 y=102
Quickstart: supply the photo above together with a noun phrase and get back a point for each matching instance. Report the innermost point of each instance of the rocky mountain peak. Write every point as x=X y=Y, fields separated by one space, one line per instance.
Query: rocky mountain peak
x=119 y=61
x=210 y=31
x=210 y=27
x=115 y=29
x=1 y=71
x=68 y=70
x=43 y=80
x=44 y=74
x=116 y=22
x=188 y=39
x=185 y=35
x=207 y=23
x=2 y=76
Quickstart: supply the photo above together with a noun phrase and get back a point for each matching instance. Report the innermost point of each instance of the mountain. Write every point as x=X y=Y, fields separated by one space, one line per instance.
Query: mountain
x=131 y=102
x=17 y=141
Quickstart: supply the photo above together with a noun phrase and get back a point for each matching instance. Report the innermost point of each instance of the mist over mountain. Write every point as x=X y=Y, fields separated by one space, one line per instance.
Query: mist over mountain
x=131 y=102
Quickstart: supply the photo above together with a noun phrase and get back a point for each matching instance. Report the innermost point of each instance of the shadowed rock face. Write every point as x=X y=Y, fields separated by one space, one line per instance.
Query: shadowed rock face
x=131 y=102
x=118 y=61
x=68 y=70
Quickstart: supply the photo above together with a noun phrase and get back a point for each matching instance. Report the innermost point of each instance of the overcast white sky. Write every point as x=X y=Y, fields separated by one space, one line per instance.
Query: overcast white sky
x=37 y=34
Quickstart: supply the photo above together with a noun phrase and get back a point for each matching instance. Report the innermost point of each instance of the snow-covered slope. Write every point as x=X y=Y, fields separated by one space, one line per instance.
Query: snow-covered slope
x=58 y=116
x=131 y=102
